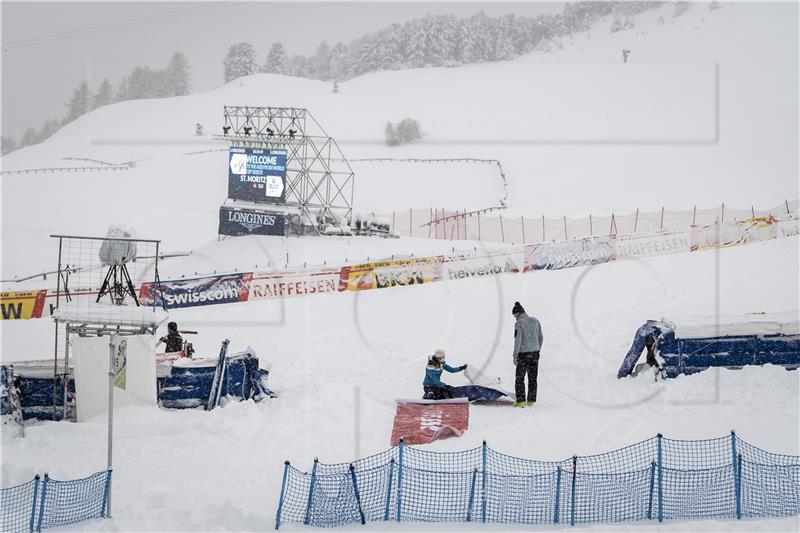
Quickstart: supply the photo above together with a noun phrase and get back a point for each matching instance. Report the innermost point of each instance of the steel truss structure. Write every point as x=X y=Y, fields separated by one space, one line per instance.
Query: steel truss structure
x=318 y=177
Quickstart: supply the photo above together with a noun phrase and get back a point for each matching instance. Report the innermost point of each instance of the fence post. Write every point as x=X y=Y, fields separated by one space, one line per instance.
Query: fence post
x=389 y=491
x=753 y=211
x=662 y=218
x=650 y=497
x=565 y=228
x=502 y=233
x=786 y=201
x=636 y=220
x=558 y=494
x=613 y=230
x=483 y=482
x=393 y=226
x=660 y=481
x=591 y=231
x=739 y=490
x=471 y=494
x=33 y=507
x=106 y=489
x=522 y=220
x=307 y=518
x=572 y=499
x=544 y=236
x=358 y=496
x=410 y=222
x=694 y=216
x=41 y=502
x=723 y=212
x=736 y=482
x=282 y=495
x=430 y=219
x=400 y=477
x=479 y=225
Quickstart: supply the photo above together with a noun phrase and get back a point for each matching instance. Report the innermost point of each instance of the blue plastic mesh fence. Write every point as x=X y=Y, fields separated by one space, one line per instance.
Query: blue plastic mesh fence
x=68 y=502
x=43 y=503
x=657 y=478
x=770 y=489
x=18 y=506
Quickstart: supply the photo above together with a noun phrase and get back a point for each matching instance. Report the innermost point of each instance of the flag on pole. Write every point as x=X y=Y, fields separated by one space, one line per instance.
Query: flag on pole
x=120 y=362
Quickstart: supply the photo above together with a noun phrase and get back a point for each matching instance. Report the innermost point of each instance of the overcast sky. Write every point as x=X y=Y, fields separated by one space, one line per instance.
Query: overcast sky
x=50 y=47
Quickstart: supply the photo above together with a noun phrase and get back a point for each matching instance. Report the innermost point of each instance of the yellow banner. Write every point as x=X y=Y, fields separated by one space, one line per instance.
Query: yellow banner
x=22 y=305
x=382 y=274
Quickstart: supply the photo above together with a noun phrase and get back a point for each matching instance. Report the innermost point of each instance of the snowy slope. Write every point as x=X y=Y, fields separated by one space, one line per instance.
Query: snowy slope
x=338 y=361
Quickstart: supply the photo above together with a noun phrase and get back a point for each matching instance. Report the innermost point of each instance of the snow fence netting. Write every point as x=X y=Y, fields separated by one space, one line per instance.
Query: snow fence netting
x=45 y=502
x=656 y=479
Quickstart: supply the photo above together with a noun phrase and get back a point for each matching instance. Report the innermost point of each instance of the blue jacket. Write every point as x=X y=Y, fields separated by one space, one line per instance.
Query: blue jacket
x=433 y=375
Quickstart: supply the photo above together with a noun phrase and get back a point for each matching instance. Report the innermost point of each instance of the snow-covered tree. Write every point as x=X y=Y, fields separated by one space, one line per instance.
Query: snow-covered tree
x=49 y=127
x=7 y=144
x=78 y=105
x=178 y=74
x=28 y=138
x=240 y=61
x=276 y=59
x=104 y=94
x=338 y=67
x=319 y=65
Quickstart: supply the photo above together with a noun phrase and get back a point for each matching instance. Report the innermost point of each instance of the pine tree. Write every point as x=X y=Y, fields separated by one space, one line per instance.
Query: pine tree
x=338 y=67
x=49 y=127
x=319 y=66
x=77 y=106
x=276 y=59
x=240 y=61
x=298 y=66
x=178 y=74
x=8 y=145
x=103 y=96
x=28 y=138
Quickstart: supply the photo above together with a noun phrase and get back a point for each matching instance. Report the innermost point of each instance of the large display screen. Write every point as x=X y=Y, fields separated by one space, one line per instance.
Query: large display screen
x=257 y=175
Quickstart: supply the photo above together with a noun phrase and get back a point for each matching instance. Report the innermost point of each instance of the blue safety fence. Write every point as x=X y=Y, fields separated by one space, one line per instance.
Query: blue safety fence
x=656 y=479
x=46 y=502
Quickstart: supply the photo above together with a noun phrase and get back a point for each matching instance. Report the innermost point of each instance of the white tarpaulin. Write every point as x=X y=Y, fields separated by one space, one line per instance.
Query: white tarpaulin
x=91 y=362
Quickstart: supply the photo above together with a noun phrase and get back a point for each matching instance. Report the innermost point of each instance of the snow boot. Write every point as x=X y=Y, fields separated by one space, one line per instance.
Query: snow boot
x=519 y=404
x=530 y=404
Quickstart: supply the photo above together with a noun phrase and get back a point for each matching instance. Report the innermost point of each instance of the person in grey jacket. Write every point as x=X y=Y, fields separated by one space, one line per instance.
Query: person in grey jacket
x=527 y=343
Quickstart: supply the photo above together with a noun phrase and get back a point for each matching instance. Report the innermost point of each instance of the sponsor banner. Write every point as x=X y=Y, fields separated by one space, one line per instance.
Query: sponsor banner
x=282 y=284
x=424 y=422
x=652 y=244
x=238 y=222
x=22 y=305
x=398 y=272
x=734 y=233
x=257 y=175
x=479 y=267
x=568 y=254
x=195 y=292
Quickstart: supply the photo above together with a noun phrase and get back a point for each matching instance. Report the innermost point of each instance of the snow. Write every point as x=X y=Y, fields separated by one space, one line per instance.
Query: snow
x=114 y=315
x=338 y=362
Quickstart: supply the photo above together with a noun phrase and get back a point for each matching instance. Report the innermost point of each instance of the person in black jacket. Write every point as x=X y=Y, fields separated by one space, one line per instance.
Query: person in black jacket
x=172 y=339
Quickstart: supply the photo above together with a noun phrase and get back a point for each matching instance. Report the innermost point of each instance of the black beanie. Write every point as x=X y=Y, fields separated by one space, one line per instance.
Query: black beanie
x=517 y=308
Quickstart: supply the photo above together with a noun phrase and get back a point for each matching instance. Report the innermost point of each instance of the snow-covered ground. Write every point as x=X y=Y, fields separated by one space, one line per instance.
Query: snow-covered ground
x=339 y=361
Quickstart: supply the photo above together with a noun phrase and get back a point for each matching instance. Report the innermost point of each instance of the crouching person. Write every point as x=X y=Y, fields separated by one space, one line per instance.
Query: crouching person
x=433 y=386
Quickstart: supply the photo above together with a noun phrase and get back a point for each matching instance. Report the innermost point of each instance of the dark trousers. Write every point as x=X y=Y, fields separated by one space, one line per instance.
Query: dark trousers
x=437 y=393
x=527 y=363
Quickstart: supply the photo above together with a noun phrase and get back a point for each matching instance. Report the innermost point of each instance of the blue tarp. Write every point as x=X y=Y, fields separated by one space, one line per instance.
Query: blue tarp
x=477 y=393
x=693 y=354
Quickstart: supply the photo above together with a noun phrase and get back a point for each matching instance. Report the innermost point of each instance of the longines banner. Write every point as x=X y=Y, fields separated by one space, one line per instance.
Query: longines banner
x=237 y=222
x=257 y=175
